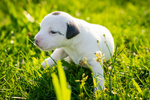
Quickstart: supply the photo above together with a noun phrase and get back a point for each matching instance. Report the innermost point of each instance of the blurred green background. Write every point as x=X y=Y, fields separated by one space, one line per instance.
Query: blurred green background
x=21 y=74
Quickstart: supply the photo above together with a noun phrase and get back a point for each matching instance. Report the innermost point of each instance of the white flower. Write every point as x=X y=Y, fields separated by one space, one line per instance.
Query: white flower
x=100 y=56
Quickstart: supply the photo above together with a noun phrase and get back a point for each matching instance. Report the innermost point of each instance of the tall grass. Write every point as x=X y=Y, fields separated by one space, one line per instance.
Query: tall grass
x=23 y=77
x=60 y=85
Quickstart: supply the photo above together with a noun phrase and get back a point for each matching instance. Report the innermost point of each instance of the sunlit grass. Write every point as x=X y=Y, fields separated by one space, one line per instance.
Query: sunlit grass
x=23 y=77
x=63 y=92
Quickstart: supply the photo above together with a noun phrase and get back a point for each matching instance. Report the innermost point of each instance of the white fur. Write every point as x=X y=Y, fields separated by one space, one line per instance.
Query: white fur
x=83 y=45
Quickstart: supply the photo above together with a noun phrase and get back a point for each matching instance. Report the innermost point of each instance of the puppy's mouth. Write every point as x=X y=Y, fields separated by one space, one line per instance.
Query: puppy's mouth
x=42 y=47
x=36 y=44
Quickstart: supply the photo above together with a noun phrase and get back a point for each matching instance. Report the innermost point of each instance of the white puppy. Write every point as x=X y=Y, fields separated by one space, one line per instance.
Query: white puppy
x=75 y=38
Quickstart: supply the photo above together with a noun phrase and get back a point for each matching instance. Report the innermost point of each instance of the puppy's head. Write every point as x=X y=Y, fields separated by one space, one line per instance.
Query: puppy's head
x=55 y=29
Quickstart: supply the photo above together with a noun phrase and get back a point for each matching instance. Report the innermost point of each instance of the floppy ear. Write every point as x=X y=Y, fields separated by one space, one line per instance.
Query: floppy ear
x=72 y=30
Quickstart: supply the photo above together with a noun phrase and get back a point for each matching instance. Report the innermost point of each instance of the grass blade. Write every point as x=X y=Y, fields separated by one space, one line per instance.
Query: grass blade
x=60 y=85
x=137 y=86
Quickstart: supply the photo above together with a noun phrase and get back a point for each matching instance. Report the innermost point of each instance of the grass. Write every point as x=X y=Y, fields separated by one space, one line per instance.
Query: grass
x=23 y=77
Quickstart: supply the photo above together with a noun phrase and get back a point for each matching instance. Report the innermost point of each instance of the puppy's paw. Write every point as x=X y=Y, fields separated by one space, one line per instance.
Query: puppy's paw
x=96 y=90
x=47 y=62
x=65 y=68
x=43 y=64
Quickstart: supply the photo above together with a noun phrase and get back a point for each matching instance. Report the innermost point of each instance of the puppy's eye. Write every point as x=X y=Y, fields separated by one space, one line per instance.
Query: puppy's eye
x=53 y=32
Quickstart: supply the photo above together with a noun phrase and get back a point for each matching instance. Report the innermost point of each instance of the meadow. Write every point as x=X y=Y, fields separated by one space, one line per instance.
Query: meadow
x=126 y=74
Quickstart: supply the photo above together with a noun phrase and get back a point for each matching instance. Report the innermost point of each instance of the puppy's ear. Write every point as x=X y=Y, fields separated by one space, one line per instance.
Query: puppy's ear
x=72 y=30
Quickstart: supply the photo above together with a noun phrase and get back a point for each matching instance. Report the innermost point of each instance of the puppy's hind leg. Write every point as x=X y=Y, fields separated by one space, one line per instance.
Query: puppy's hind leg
x=58 y=54
x=98 y=74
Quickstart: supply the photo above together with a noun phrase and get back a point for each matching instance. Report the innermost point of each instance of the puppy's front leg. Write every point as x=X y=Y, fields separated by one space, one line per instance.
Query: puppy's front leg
x=98 y=74
x=58 y=54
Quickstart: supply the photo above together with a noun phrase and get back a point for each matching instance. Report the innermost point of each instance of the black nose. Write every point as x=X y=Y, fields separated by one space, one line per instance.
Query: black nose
x=36 y=41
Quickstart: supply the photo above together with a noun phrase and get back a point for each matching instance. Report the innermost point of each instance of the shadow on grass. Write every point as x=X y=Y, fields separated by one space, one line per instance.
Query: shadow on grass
x=42 y=87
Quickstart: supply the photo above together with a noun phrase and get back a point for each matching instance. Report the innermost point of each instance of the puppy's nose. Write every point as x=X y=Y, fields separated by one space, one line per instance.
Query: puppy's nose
x=36 y=41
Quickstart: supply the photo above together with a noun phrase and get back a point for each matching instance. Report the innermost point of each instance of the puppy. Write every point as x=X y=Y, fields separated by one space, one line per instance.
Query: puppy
x=77 y=39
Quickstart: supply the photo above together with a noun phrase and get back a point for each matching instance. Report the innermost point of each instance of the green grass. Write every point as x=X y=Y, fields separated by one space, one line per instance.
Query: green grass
x=23 y=77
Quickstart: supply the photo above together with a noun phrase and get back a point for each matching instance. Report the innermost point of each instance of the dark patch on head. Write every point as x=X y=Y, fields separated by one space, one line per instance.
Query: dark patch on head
x=72 y=30
x=56 y=13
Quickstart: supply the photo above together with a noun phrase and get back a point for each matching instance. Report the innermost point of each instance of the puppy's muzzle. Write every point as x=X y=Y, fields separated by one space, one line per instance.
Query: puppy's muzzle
x=36 y=41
